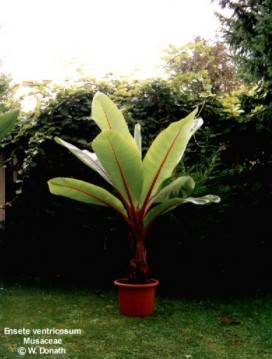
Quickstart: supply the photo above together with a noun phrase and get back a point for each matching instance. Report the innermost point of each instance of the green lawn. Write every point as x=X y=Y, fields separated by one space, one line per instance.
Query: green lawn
x=179 y=328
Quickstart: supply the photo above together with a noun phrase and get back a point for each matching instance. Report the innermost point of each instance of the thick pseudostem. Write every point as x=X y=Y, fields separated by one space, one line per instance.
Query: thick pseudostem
x=139 y=271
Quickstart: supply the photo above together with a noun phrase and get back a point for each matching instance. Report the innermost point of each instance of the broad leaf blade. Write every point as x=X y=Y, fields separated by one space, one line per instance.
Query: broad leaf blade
x=88 y=158
x=172 y=203
x=7 y=122
x=85 y=192
x=165 y=153
x=108 y=117
x=106 y=114
x=160 y=209
x=122 y=163
x=181 y=187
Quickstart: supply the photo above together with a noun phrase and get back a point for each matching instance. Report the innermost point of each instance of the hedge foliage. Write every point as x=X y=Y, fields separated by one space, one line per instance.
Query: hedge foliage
x=221 y=247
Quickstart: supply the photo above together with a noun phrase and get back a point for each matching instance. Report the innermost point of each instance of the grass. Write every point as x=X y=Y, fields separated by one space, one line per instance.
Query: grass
x=179 y=328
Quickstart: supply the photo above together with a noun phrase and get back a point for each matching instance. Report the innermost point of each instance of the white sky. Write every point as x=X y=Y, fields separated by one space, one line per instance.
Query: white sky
x=39 y=37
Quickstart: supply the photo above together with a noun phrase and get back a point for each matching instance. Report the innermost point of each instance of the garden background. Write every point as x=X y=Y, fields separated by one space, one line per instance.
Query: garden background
x=223 y=248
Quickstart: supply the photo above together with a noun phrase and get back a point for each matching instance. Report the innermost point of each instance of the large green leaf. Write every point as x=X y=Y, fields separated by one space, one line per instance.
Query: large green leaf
x=165 y=153
x=108 y=117
x=85 y=192
x=7 y=122
x=181 y=187
x=88 y=158
x=122 y=162
x=172 y=203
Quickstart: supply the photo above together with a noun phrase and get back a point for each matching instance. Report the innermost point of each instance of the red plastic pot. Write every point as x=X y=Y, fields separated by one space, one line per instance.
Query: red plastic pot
x=136 y=300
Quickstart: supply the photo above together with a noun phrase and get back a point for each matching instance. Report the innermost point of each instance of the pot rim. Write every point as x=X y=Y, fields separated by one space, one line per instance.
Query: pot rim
x=120 y=283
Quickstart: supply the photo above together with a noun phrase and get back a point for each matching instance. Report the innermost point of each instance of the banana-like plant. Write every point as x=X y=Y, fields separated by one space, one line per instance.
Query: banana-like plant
x=142 y=188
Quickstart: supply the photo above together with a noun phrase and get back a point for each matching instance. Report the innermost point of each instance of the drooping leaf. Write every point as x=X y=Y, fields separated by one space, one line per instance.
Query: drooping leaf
x=172 y=203
x=181 y=187
x=7 y=122
x=208 y=198
x=122 y=162
x=161 y=208
x=88 y=158
x=165 y=153
x=85 y=192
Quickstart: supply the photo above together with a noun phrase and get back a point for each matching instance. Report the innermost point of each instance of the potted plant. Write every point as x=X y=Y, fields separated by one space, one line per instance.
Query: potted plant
x=142 y=188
